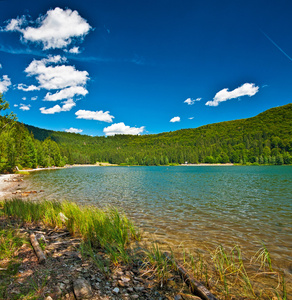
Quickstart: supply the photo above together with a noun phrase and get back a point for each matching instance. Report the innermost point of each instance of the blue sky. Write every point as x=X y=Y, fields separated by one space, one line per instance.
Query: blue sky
x=143 y=67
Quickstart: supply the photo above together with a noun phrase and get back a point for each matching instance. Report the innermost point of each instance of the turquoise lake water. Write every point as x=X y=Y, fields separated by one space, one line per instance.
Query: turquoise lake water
x=200 y=206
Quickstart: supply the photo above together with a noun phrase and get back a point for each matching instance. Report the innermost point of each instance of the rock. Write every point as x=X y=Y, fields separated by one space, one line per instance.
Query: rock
x=188 y=297
x=178 y=297
x=125 y=278
x=122 y=283
x=49 y=298
x=57 y=291
x=120 y=273
x=130 y=289
x=82 y=289
x=139 y=288
x=135 y=296
x=116 y=290
x=62 y=286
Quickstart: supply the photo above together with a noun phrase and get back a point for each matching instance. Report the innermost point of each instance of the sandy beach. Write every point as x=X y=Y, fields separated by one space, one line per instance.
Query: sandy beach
x=8 y=184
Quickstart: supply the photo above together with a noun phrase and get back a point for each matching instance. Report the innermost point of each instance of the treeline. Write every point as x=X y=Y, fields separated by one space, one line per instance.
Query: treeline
x=18 y=147
x=264 y=139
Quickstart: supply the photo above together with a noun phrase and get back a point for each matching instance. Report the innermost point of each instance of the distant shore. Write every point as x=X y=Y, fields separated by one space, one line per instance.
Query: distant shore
x=206 y=165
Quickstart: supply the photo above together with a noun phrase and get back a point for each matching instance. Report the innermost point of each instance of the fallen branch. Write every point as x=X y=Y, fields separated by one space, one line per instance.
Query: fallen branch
x=196 y=287
x=39 y=252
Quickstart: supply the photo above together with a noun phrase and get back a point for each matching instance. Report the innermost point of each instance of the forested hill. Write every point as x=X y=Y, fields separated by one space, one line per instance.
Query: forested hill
x=264 y=139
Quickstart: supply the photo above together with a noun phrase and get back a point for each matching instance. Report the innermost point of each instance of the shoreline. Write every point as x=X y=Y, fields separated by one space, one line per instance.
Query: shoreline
x=9 y=183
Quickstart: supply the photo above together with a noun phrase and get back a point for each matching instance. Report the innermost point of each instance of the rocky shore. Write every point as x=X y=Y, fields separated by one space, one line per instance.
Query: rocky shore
x=67 y=273
x=9 y=183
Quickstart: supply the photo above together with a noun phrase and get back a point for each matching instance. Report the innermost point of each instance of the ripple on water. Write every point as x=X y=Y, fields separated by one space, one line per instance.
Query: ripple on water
x=193 y=205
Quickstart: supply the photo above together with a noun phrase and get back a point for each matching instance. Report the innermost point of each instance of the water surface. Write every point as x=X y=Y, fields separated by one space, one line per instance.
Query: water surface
x=201 y=206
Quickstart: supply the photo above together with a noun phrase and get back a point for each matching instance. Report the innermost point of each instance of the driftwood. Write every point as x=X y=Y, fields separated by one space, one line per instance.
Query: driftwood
x=196 y=287
x=39 y=252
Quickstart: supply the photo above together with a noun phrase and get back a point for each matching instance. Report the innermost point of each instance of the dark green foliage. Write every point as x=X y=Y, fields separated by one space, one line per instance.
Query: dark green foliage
x=18 y=147
x=264 y=139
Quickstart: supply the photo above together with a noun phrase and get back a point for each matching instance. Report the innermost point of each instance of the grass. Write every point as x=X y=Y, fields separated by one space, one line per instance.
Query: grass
x=107 y=236
x=10 y=242
x=106 y=229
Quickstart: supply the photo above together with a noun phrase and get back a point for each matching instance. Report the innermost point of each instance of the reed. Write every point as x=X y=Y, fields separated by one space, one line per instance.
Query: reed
x=107 y=235
x=107 y=229
x=158 y=264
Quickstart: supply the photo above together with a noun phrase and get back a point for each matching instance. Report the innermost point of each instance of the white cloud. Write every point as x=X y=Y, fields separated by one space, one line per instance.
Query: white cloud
x=191 y=101
x=15 y=105
x=247 y=89
x=56 y=29
x=74 y=50
x=73 y=130
x=191 y=118
x=4 y=84
x=121 y=128
x=23 y=98
x=0 y=66
x=66 y=93
x=175 y=119
x=56 y=77
x=34 y=98
x=67 y=106
x=94 y=115
x=24 y=107
x=26 y=88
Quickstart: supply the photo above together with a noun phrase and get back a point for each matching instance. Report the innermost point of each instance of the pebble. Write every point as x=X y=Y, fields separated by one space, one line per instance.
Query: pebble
x=116 y=290
x=82 y=289
x=139 y=288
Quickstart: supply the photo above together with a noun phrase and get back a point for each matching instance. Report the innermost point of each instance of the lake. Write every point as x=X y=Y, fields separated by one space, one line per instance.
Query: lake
x=199 y=206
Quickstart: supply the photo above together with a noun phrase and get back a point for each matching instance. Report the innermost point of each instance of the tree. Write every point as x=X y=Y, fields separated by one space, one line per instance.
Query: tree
x=7 y=119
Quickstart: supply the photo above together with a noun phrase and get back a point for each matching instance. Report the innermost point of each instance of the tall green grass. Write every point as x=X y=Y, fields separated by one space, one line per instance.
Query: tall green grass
x=225 y=272
x=107 y=229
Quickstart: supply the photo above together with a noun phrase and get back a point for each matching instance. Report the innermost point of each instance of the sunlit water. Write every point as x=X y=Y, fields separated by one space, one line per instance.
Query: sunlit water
x=197 y=206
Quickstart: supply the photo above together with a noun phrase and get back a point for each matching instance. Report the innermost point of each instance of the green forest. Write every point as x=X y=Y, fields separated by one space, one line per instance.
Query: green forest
x=263 y=139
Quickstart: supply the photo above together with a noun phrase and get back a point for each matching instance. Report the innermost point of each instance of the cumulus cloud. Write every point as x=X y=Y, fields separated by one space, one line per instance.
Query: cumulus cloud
x=24 y=107
x=175 y=119
x=191 y=101
x=66 y=93
x=94 y=115
x=67 y=106
x=4 y=84
x=23 y=98
x=52 y=77
x=56 y=29
x=15 y=105
x=121 y=128
x=74 y=50
x=73 y=130
x=25 y=88
x=247 y=89
x=191 y=118
x=34 y=98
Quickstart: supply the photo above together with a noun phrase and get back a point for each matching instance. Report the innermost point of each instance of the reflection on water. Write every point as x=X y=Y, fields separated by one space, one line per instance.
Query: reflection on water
x=193 y=205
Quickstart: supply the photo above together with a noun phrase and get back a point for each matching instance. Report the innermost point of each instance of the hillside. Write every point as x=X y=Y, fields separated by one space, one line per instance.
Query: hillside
x=265 y=138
